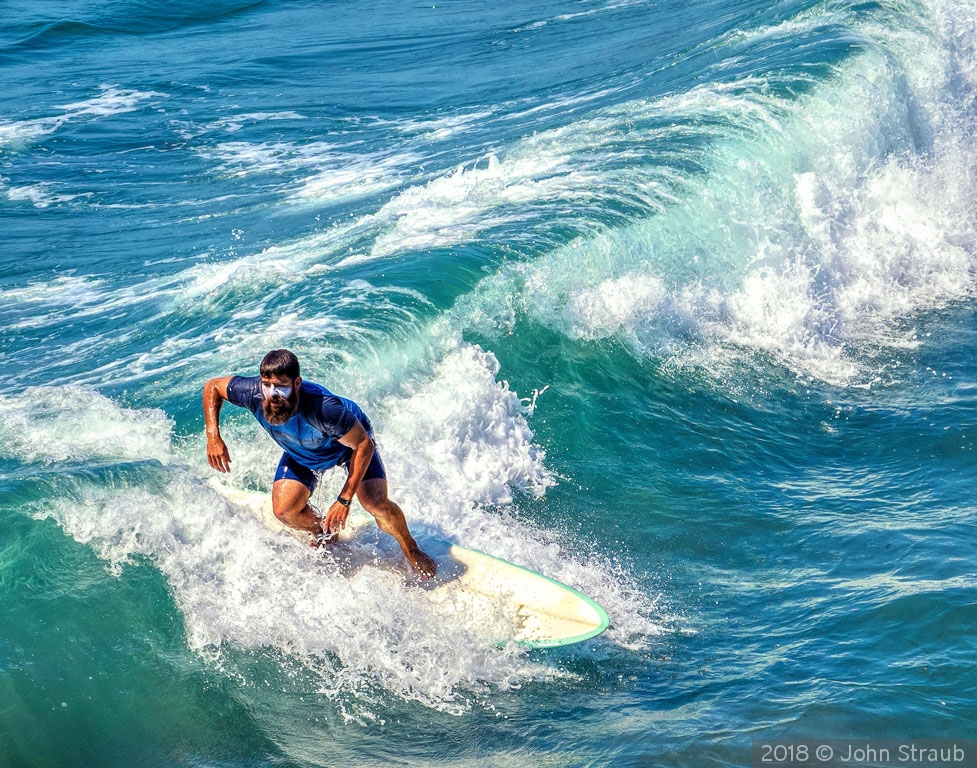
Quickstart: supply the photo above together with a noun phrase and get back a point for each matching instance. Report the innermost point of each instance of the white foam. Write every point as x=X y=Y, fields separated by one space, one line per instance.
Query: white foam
x=39 y=195
x=24 y=131
x=530 y=27
x=457 y=207
x=338 y=172
x=354 y=177
x=616 y=304
x=111 y=101
x=234 y=123
x=65 y=289
x=243 y=157
x=612 y=6
x=72 y=424
x=444 y=126
x=42 y=305
x=469 y=431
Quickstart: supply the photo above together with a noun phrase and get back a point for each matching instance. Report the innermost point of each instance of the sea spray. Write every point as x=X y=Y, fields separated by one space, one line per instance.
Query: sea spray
x=820 y=228
x=241 y=586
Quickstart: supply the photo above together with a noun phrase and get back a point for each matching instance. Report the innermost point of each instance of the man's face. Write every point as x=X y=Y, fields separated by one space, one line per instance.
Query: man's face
x=280 y=398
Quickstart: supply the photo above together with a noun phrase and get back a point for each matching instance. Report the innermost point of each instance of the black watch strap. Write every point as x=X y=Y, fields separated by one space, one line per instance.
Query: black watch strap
x=343 y=501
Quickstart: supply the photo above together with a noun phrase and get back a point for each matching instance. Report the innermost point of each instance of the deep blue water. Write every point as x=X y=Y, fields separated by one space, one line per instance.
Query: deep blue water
x=671 y=301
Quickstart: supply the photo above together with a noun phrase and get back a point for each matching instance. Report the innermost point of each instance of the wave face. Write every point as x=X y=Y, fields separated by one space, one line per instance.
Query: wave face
x=671 y=303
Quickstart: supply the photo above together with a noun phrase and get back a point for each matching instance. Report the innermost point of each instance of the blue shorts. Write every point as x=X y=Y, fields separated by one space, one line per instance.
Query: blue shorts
x=290 y=469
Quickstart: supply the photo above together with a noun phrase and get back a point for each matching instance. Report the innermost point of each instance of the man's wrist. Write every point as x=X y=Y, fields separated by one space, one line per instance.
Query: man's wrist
x=344 y=501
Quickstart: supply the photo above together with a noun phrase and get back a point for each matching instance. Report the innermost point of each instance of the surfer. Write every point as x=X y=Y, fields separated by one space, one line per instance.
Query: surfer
x=317 y=431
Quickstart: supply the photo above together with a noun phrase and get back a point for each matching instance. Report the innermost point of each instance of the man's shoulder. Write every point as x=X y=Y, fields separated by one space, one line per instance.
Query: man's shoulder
x=311 y=388
x=243 y=390
x=317 y=398
x=324 y=410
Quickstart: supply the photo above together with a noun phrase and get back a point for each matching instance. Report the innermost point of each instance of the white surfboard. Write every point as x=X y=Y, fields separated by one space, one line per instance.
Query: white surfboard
x=505 y=601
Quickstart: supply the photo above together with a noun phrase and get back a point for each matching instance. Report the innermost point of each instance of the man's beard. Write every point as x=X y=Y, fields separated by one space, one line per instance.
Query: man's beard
x=278 y=410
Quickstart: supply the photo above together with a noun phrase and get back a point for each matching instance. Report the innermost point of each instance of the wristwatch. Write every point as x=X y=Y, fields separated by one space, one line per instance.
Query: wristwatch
x=344 y=502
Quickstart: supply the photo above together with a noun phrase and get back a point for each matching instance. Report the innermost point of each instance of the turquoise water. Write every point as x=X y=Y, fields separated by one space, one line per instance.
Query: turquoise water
x=672 y=302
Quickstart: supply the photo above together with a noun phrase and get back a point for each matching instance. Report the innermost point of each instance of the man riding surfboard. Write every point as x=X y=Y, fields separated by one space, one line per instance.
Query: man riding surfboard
x=317 y=431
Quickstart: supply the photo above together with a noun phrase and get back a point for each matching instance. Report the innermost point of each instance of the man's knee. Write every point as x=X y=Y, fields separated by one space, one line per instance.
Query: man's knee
x=283 y=513
x=288 y=499
x=383 y=510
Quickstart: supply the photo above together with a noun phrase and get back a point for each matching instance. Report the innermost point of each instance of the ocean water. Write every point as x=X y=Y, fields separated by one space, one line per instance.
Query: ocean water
x=671 y=301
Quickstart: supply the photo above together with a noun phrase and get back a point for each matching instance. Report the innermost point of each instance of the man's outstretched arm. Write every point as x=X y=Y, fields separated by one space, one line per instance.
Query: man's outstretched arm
x=215 y=393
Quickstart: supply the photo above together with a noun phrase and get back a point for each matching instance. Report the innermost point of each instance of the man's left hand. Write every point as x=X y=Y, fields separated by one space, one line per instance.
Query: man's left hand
x=335 y=519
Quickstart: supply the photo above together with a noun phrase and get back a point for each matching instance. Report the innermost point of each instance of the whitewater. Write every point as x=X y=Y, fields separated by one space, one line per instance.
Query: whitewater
x=671 y=302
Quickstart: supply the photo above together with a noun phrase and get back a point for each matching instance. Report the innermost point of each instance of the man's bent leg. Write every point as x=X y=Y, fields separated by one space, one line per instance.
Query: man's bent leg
x=290 y=503
x=390 y=519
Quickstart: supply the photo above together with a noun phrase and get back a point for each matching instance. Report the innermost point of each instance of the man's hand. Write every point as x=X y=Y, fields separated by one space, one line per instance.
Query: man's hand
x=218 y=455
x=335 y=519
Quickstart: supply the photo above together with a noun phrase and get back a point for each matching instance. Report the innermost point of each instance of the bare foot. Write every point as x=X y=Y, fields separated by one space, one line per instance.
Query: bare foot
x=421 y=562
x=321 y=539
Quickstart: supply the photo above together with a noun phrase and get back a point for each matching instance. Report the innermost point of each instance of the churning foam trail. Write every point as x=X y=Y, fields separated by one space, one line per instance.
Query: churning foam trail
x=457 y=445
x=821 y=225
x=111 y=101
x=334 y=172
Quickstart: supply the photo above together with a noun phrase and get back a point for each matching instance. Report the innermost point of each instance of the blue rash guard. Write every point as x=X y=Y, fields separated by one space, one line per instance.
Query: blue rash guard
x=311 y=436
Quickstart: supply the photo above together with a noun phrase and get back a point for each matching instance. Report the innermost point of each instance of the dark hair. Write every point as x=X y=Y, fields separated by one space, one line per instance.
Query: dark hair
x=280 y=362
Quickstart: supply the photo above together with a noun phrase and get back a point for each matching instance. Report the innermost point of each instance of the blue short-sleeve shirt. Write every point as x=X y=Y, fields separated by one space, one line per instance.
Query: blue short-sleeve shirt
x=311 y=436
